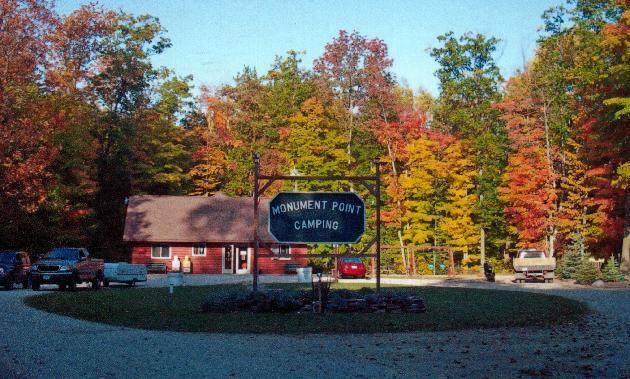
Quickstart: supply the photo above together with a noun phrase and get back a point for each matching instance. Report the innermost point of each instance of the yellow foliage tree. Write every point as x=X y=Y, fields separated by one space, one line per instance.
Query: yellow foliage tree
x=210 y=170
x=580 y=214
x=457 y=225
x=315 y=146
x=419 y=185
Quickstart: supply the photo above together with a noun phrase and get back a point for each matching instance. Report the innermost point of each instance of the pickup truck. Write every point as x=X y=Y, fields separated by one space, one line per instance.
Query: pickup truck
x=532 y=263
x=67 y=267
x=14 y=268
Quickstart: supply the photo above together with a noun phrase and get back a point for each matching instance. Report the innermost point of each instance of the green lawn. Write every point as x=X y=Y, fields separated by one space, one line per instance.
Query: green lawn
x=447 y=309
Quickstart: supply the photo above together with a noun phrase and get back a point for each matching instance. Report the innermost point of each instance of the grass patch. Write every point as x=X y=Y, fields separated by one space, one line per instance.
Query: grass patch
x=447 y=309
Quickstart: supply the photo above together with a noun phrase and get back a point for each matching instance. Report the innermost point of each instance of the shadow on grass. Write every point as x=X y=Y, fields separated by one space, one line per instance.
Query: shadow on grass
x=447 y=309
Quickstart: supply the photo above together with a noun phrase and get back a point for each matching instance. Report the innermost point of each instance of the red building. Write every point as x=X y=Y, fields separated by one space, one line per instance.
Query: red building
x=215 y=233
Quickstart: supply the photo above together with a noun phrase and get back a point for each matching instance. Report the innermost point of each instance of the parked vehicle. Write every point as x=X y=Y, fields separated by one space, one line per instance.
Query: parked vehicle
x=15 y=267
x=67 y=267
x=124 y=273
x=351 y=267
x=533 y=263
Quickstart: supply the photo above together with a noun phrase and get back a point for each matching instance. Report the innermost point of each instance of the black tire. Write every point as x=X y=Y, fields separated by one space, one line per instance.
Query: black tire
x=35 y=285
x=96 y=282
x=132 y=283
x=26 y=283
x=62 y=287
x=8 y=285
x=105 y=283
x=72 y=285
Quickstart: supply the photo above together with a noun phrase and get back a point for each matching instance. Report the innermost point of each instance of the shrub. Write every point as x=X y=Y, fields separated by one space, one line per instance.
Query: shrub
x=499 y=265
x=471 y=264
x=610 y=272
x=586 y=272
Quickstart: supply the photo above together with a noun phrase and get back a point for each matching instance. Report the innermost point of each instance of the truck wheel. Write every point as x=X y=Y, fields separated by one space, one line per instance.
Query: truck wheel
x=96 y=283
x=72 y=286
x=105 y=283
x=8 y=285
x=132 y=283
x=62 y=287
x=26 y=283
x=35 y=285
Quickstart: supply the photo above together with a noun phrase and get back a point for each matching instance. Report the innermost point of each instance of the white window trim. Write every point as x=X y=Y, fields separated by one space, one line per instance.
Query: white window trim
x=165 y=258
x=281 y=258
x=192 y=250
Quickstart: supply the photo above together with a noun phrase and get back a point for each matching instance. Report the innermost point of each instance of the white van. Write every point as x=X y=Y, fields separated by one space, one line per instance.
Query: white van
x=124 y=273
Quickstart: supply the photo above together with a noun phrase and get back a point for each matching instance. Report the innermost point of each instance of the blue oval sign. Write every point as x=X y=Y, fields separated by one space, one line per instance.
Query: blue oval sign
x=317 y=217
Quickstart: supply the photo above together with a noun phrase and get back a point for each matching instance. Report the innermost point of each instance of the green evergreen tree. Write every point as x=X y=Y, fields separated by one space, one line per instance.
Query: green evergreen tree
x=572 y=258
x=610 y=272
x=586 y=273
x=470 y=83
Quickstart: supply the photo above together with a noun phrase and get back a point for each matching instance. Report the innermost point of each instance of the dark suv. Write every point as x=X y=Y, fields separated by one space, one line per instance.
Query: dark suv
x=15 y=267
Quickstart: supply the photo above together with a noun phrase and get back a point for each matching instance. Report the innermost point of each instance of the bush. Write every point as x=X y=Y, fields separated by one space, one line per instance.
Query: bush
x=471 y=264
x=586 y=272
x=499 y=265
x=610 y=272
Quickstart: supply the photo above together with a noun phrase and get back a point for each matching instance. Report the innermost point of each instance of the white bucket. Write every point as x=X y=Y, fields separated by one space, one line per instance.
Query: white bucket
x=304 y=274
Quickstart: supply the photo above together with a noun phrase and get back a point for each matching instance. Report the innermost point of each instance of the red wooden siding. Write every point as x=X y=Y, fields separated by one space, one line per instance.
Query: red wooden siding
x=212 y=262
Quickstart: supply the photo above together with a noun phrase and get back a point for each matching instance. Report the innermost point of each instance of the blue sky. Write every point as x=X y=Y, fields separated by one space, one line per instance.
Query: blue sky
x=213 y=40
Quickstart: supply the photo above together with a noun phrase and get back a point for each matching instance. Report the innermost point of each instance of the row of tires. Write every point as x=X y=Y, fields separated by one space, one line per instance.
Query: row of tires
x=72 y=284
x=96 y=284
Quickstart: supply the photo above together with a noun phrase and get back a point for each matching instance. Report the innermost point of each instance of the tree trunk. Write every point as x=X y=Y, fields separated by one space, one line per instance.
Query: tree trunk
x=451 y=263
x=482 y=247
x=552 y=243
x=625 y=247
x=402 y=251
x=405 y=261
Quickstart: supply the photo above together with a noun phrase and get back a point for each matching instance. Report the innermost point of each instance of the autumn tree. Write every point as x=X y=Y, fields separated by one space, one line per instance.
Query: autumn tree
x=457 y=225
x=529 y=190
x=421 y=190
x=28 y=122
x=579 y=211
x=211 y=138
x=354 y=71
x=585 y=41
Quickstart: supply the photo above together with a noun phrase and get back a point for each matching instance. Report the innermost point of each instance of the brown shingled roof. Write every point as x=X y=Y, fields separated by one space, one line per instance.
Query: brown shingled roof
x=218 y=218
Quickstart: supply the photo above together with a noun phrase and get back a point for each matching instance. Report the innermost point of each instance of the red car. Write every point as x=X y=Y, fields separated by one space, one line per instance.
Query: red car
x=351 y=267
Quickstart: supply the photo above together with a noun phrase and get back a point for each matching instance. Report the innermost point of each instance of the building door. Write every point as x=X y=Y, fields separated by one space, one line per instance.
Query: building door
x=228 y=259
x=242 y=259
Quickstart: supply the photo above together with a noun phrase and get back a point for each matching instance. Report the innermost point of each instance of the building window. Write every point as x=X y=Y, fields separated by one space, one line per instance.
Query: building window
x=160 y=251
x=281 y=251
x=199 y=251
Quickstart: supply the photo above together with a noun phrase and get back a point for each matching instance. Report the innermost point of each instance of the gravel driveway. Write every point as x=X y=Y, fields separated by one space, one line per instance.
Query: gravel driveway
x=38 y=344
